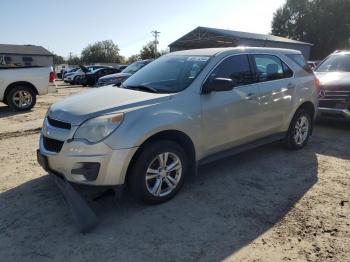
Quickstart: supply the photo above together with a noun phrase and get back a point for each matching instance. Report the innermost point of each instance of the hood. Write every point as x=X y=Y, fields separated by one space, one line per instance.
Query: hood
x=117 y=75
x=336 y=79
x=77 y=108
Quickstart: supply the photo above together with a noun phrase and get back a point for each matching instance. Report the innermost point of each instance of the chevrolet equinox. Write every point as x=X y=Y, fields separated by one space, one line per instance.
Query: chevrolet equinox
x=181 y=110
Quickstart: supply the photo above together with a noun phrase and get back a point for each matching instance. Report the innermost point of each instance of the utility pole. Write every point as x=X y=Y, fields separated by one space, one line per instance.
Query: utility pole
x=70 y=56
x=155 y=34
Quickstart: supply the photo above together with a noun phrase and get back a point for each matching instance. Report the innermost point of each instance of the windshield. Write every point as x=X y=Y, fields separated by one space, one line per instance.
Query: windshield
x=134 y=67
x=335 y=63
x=168 y=74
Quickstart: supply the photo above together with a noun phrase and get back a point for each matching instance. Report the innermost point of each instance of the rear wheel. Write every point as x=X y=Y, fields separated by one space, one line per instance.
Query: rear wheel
x=21 y=98
x=75 y=81
x=158 y=172
x=300 y=130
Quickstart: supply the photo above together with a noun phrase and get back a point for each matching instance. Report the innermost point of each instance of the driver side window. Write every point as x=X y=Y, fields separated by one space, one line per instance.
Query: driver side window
x=236 y=68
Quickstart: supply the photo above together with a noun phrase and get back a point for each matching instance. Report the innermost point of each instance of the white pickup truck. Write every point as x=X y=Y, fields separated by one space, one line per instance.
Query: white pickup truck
x=19 y=86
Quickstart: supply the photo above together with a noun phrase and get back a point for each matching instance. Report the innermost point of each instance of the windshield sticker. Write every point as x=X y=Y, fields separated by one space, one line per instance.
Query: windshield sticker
x=198 y=58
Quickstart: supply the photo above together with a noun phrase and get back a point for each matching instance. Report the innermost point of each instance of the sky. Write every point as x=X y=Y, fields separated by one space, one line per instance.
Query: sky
x=66 y=26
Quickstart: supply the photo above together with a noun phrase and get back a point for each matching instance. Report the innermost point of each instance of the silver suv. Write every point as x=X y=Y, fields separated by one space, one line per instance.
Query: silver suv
x=181 y=110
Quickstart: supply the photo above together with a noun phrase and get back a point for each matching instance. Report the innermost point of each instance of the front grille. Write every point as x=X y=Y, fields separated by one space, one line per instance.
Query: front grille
x=52 y=145
x=335 y=97
x=58 y=123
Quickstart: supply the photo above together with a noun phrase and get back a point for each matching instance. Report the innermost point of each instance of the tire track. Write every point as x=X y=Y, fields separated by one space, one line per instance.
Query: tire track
x=28 y=132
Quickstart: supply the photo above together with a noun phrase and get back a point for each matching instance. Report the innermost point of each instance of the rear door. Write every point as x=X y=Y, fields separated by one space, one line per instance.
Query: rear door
x=233 y=117
x=276 y=85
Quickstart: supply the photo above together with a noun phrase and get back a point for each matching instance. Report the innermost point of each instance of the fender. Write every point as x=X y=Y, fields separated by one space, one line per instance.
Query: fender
x=149 y=123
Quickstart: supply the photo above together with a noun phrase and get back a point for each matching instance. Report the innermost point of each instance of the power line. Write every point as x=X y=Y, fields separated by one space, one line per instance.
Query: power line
x=155 y=34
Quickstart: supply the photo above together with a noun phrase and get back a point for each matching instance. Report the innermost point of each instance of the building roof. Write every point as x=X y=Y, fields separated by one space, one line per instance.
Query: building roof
x=24 y=50
x=244 y=35
x=215 y=51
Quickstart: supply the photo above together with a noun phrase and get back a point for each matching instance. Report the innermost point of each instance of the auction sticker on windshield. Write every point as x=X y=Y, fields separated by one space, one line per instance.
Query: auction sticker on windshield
x=198 y=58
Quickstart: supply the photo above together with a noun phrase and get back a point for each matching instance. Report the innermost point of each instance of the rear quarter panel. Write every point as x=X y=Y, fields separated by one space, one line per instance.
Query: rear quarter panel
x=305 y=90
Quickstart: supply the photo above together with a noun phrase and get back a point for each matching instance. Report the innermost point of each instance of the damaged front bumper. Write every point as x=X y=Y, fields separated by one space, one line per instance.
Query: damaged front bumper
x=83 y=215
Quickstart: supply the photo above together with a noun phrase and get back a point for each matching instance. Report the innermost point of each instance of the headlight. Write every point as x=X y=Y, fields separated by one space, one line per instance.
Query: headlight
x=96 y=129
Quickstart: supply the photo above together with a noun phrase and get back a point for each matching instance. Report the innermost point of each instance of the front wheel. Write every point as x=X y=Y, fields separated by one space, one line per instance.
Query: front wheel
x=158 y=172
x=300 y=130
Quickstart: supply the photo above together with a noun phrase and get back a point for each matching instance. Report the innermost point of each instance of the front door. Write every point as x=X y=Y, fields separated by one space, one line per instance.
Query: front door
x=231 y=117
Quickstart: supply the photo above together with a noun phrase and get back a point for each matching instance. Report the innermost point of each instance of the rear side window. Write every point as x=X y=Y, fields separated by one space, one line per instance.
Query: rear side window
x=270 y=68
x=236 y=68
x=299 y=59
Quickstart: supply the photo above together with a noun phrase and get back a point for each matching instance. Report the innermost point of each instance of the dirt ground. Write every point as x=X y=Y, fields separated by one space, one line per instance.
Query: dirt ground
x=268 y=204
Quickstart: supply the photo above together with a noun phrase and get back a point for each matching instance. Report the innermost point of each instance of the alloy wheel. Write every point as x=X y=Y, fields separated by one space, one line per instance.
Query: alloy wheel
x=163 y=174
x=301 y=130
x=22 y=99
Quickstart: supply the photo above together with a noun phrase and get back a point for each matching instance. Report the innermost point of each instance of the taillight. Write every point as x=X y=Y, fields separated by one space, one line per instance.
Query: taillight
x=318 y=84
x=52 y=77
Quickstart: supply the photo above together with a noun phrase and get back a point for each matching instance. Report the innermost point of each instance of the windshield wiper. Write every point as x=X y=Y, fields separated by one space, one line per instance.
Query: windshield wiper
x=143 y=87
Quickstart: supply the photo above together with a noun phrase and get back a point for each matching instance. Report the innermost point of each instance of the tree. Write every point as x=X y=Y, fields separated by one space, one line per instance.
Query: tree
x=101 y=52
x=73 y=60
x=164 y=52
x=324 y=23
x=57 y=59
x=148 y=51
x=133 y=58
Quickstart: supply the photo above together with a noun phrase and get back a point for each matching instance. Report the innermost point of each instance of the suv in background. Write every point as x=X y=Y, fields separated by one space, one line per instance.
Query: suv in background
x=117 y=79
x=90 y=78
x=334 y=76
x=184 y=109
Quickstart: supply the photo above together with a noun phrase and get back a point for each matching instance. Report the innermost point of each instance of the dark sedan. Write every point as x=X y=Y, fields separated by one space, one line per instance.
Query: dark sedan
x=334 y=76
x=117 y=79
x=91 y=78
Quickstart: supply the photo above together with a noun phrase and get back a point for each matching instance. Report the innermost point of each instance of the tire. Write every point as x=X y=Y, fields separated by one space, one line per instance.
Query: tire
x=149 y=159
x=300 y=130
x=75 y=81
x=21 y=98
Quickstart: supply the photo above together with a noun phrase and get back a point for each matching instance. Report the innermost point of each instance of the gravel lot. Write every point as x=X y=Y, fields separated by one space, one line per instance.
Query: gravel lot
x=268 y=204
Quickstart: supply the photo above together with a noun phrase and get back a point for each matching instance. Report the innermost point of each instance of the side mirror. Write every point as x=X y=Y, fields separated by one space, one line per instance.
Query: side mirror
x=217 y=85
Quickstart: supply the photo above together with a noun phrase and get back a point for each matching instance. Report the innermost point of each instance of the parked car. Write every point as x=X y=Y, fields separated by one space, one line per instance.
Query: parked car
x=91 y=78
x=184 y=109
x=19 y=86
x=122 y=67
x=68 y=71
x=76 y=77
x=117 y=79
x=334 y=76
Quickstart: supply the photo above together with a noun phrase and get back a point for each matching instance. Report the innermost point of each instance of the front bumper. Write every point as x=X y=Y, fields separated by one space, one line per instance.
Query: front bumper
x=333 y=113
x=74 y=156
x=84 y=217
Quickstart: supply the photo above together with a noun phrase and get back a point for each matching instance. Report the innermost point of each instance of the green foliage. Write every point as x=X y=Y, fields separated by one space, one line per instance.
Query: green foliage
x=133 y=58
x=148 y=51
x=101 y=52
x=324 y=23
x=74 y=60
x=57 y=59
x=164 y=52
